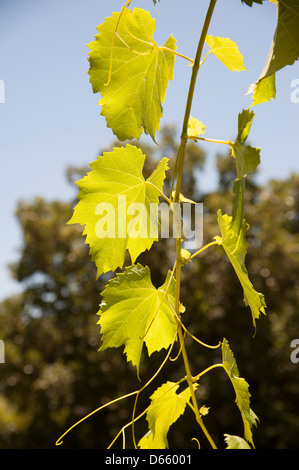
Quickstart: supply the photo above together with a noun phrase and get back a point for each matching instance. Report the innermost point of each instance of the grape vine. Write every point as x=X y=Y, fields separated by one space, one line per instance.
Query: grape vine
x=131 y=72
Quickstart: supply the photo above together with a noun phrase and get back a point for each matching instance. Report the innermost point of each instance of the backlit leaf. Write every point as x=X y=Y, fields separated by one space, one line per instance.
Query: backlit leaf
x=245 y=120
x=131 y=73
x=235 y=246
x=195 y=128
x=134 y=312
x=241 y=390
x=227 y=52
x=264 y=90
x=165 y=408
x=236 y=442
x=233 y=228
x=203 y=411
x=110 y=196
x=247 y=157
x=284 y=50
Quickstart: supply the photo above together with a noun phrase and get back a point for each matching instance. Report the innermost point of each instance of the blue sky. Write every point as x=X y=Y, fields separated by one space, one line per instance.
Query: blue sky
x=50 y=118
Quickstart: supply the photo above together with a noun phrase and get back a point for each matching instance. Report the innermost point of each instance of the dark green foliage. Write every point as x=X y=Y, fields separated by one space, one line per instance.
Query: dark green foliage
x=250 y=2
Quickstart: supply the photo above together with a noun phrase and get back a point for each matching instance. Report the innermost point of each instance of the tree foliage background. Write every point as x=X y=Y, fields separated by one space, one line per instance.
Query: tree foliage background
x=53 y=374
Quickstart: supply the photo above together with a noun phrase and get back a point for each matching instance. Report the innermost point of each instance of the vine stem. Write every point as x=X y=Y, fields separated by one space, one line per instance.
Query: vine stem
x=214 y=141
x=203 y=249
x=179 y=168
x=159 y=191
x=195 y=69
x=136 y=392
x=190 y=379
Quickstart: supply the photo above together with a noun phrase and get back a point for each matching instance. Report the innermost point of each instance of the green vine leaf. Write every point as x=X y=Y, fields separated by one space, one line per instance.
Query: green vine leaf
x=241 y=390
x=134 y=312
x=247 y=158
x=250 y=2
x=165 y=408
x=195 y=128
x=227 y=52
x=233 y=241
x=109 y=197
x=131 y=72
x=233 y=228
x=284 y=51
x=264 y=90
x=236 y=442
x=245 y=120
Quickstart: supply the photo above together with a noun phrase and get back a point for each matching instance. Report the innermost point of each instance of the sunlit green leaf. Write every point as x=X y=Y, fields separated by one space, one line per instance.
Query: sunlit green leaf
x=284 y=51
x=165 y=408
x=110 y=197
x=131 y=73
x=195 y=128
x=247 y=158
x=204 y=410
x=245 y=120
x=233 y=228
x=264 y=90
x=236 y=442
x=134 y=312
x=227 y=52
x=235 y=246
x=241 y=390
